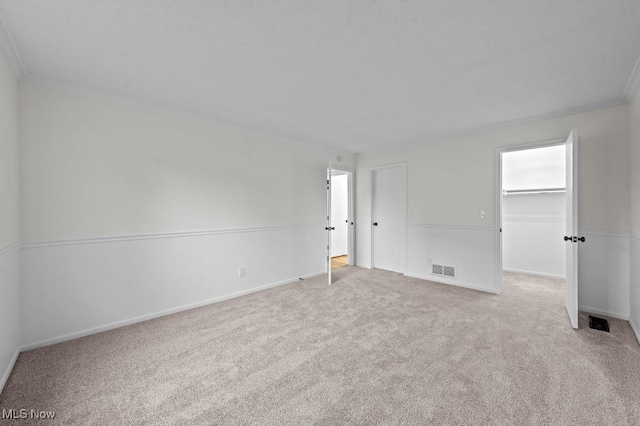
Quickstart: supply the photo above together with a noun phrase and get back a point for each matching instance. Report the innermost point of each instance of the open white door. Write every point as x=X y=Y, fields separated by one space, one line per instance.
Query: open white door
x=328 y=226
x=571 y=297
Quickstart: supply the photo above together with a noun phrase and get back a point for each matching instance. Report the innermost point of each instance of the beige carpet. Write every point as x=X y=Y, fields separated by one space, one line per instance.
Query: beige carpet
x=374 y=348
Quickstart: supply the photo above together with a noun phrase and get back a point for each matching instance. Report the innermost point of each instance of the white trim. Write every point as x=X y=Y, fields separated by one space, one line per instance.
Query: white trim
x=589 y=310
x=462 y=227
x=533 y=216
x=405 y=176
x=539 y=274
x=8 y=47
x=141 y=318
x=454 y=283
x=532 y=145
x=505 y=124
x=54 y=243
x=633 y=83
x=635 y=329
x=389 y=166
x=497 y=241
x=96 y=94
x=7 y=372
x=8 y=249
x=621 y=234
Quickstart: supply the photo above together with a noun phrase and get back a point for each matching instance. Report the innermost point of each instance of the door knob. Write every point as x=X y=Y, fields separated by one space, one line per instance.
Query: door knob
x=581 y=239
x=568 y=238
x=375 y=223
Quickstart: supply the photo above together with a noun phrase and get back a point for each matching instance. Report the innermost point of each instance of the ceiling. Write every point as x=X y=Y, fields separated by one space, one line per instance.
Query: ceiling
x=363 y=75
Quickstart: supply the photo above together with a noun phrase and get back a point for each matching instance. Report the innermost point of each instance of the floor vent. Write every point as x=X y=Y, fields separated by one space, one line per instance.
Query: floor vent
x=443 y=271
x=598 y=323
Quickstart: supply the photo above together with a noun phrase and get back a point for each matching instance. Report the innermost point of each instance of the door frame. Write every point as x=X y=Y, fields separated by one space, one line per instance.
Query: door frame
x=351 y=234
x=405 y=179
x=498 y=198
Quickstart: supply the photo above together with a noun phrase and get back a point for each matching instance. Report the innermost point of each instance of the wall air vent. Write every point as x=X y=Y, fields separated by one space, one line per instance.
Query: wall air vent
x=443 y=271
x=436 y=269
x=449 y=271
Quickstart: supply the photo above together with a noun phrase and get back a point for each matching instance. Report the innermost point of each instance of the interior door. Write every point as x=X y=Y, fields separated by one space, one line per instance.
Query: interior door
x=328 y=226
x=572 y=239
x=389 y=218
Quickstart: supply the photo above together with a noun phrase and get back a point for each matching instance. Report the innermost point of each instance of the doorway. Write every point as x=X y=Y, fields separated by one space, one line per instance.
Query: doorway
x=533 y=211
x=340 y=219
x=389 y=217
x=538 y=219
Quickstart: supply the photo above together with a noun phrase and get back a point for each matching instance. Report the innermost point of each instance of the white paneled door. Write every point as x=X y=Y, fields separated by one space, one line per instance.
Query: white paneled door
x=571 y=238
x=389 y=217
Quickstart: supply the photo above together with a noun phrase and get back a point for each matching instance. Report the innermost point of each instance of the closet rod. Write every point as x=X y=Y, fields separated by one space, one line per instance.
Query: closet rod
x=534 y=191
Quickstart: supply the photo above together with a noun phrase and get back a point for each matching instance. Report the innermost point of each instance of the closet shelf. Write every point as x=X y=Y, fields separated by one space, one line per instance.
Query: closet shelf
x=533 y=191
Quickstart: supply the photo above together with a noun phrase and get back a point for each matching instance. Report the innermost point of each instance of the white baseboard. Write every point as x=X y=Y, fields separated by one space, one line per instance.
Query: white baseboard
x=7 y=373
x=635 y=329
x=118 y=324
x=611 y=314
x=539 y=274
x=453 y=283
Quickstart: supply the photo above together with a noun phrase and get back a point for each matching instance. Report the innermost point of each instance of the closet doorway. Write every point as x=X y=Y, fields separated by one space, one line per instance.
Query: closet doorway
x=537 y=212
x=533 y=211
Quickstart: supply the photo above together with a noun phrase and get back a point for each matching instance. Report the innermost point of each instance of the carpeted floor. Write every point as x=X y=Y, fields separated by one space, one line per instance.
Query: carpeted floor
x=373 y=348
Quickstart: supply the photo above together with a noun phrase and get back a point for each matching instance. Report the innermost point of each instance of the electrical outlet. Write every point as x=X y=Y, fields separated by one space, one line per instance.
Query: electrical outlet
x=241 y=272
x=429 y=261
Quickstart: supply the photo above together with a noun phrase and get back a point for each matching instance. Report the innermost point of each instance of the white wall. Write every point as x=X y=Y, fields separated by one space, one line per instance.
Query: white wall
x=532 y=229
x=634 y=295
x=9 y=222
x=533 y=224
x=451 y=181
x=339 y=214
x=128 y=211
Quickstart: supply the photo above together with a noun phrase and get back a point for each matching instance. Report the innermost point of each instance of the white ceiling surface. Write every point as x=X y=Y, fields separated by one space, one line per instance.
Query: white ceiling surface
x=364 y=75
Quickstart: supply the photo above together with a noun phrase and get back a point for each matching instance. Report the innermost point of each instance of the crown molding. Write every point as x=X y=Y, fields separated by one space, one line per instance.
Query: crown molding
x=10 y=52
x=502 y=125
x=633 y=83
x=42 y=81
